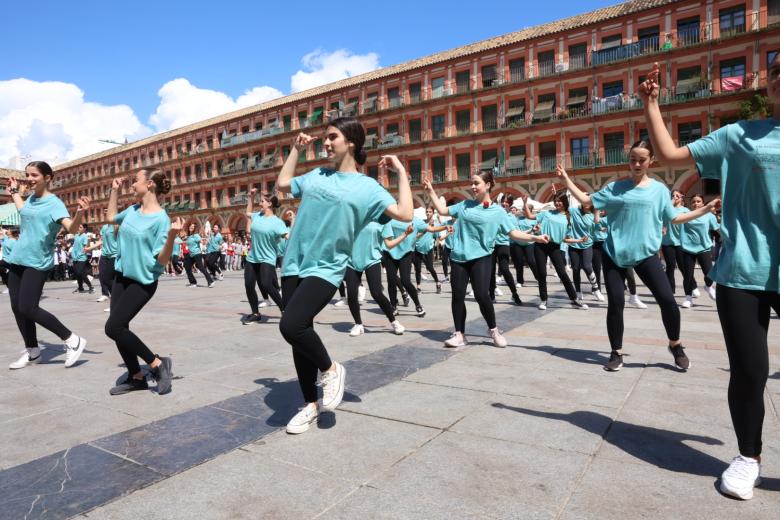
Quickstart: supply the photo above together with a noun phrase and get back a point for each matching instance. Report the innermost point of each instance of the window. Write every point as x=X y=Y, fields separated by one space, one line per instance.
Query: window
x=688 y=132
x=437 y=127
x=391 y=128
x=373 y=172
x=732 y=21
x=516 y=163
x=463 y=165
x=547 y=156
x=371 y=136
x=415 y=171
x=438 y=169
x=463 y=81
x=208 y=169
x=689 y=73
x=688 y=31
x=302 y=119
x=415 y=130
x=437 y=87
x=614 y=40
x=770 y=57
x=287 y=122
x=644 y=135
x=515 y=114
x=545 y=107
x=773 y=11
x=415 y=92
x=517 y=69
x=394 y=97
x=316 y=116
x=317 y=148
x=198 y=172
x=489 y=118
x=370 y=104
x=614 y=148
x=733 y=67
x=489 y=159
x=580 y=148
x=285 y=151
x=613 y=88
x=578 y=56
x=649 y=40
x=576 y=102
x=727 y=120
x=463 y=121
x=489 y=77
x=546 y=63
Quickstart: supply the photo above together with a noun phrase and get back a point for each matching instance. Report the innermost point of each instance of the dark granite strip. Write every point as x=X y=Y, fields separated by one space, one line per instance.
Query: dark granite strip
x=77 y=480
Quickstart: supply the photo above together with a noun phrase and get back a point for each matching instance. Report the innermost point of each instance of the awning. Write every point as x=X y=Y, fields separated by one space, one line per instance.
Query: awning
x=489 y=164
x=544 y=109
x=577 y=100
x=515 y=162
x=515 y=112
x=9 y=215
x=688 y=85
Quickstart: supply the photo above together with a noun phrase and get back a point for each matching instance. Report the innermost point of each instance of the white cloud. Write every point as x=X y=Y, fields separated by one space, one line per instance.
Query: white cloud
x=322 y=67
x=182 y=103
x=51 y=121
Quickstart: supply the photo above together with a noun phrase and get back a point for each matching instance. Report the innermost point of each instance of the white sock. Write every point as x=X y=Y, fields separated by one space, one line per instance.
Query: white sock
x=72 y=341
x=33 y=352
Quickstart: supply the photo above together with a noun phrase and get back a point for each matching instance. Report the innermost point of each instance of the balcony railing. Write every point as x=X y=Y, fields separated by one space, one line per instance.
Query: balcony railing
x=415 y=136
x=547 y=163
x=516 y=75
x=489 y=124
x=391 y=140
x=415 y=178
x=234 y=140
x=395 y=102
x=546 y=68
x=439 y=176
x=578 y=61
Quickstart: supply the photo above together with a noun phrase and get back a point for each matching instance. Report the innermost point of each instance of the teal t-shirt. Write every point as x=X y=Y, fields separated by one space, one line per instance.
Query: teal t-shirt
x=600 y=229
x=636 y=216
x=141 y=239
x=214 y=242
x=554 y=224
x=449 y=237
x=672 y=235
x=108 y=236
x=193 y=245
x=695 y=236
x=745 y=157
x=527 y=225
x=334 y=207
x=80 y=241
x=476 y=229
x=177 y=247
x=396 y=228
x=281 y=247
x=580 y=225
x=266 y=232
x=367 y=249
x=502 y=239
x=40 y=222
x=425 y=243
x=8 y=246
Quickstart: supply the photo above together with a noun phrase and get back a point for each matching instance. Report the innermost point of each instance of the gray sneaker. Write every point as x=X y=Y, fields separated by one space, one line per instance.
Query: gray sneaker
x=164 y=375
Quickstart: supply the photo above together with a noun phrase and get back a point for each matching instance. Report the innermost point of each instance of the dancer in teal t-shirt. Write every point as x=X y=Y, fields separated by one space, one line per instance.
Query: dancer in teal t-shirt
x=195 y=257
x=78 y=255
x=670 y=242
x=696 y=247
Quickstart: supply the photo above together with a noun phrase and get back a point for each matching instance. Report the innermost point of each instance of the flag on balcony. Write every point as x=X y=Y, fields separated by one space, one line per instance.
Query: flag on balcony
x=732 y=83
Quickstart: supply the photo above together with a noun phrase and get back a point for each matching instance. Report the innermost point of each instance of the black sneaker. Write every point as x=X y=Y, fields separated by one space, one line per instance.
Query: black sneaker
x=516 y=299
x=91 y=290
x=438 y=288
x=680 y=359
x=615 y=362
x=164 y=374
x=251 y=318
x=129 y=385
x=406 y=300
x=579 y=304
x=420 y=312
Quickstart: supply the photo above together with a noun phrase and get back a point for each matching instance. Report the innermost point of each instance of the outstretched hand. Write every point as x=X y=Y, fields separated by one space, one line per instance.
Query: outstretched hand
x=117 y=183
x=391 y=162
x=176 y=226
x=301 y=141
x=648 y=90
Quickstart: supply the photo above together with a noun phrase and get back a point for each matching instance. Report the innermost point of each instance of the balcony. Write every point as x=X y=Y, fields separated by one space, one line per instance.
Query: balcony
x=235 y=140
x=415 y=178
x=627 y=51
x=547 y=163
x=395 y=102
x=438 y=133
x=184 y=205
x=239 y=199
x=613 y=156
x=415 y=136
x=578 y=61
x=515 y=165
x=490 y=124
x=545 y=68
x=516 y=75
x=687 y=37
x=390 y=140
x=439 y=176
x=463 y=128
x=370 y=142
x=370 y=105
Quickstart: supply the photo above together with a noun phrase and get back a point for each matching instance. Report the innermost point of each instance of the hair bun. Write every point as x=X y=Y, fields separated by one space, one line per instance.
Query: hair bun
x=360 y=156
x=166 y=186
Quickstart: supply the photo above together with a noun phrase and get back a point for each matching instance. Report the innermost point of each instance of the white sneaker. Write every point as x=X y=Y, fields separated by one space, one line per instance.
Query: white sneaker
x=340 y=303
x=740 y=477
x=518 y=285
x=26 y=359
x=74 y=346
x=579 y=304
x=498 y=339
x=74 y=282
x=471 y=293
x=711 y=291
x=356 y=330
x=102 y=299
x=456 y=340
x=221 y=277
x=107 y=309
x=211 y=285
x=424 y=277
x=635 y=302
x=303 y=419
x=397 y=327
x=361 y=294
x=5 y=291
x=688 y=303
x=333 y=387
x=90 y=278
x=499 y=292
x=696 y=293
x=542 y=305
x=597 y=294
x=264 y=303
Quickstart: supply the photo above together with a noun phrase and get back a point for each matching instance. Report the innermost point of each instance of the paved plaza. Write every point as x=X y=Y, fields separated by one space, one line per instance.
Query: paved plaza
x=536 y=430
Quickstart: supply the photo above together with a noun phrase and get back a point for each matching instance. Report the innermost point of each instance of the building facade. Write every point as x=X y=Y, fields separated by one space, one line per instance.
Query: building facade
x=518 y=104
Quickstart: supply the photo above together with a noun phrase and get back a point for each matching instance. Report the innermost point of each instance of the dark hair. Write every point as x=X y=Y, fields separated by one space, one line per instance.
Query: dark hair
x=697 y=195
x=671 y=194
x=353 y=132
x=643 y=144
x=273 y=199
x=42 y=167
x=487 y=177
x=163 y=185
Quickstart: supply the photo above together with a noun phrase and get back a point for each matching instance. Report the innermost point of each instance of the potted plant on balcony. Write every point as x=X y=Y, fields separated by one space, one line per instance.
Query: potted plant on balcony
x=563 y=113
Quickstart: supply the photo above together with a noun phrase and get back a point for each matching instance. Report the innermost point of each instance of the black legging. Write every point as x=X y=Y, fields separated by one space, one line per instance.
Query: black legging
x=689 y=264
x=4 y=272
x=197 y=261
x=582 y=259
x=374 y=278
x=744 y=317
x=176 y=264
x=551 y=250
x=478 y=272
x=212 y=263
x=264 y=276
x=418 y=260
x=500 y=259
x=522 y=255
x=392 y=267
x=674 y=260
x=128 y=297
x=25 y=286
x=445 y=260
x=598 y=254
x=304 y=298
x=81 y=270
x=652 y=274
x=106 y=274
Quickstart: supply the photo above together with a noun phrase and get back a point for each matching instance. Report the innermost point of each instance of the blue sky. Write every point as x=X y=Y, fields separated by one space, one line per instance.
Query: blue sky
x=122 y=54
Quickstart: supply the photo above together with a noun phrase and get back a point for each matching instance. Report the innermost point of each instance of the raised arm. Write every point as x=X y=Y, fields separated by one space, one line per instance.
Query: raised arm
x=71 y=225
x=250 y=201
x=165 y=255
x=663 y=145
x=580 y=195
x=441 y=208
x=390 y=243
x=288 y=169
x=404 y=208
x=113 y=196
x=710 y=207
x=13 y=189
